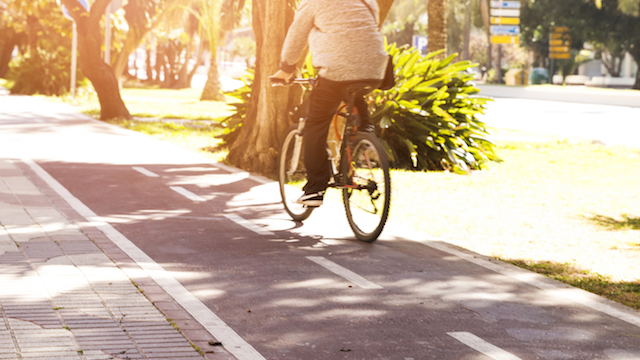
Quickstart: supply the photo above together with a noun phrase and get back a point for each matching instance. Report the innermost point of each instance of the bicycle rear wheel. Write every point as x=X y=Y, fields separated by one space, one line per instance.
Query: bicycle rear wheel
x=367 y=197
x=292 y=175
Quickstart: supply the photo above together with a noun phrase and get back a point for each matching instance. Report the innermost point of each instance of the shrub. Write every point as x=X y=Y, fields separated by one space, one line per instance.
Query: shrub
x=233 y=123
x=428 y=120
x=41 y=72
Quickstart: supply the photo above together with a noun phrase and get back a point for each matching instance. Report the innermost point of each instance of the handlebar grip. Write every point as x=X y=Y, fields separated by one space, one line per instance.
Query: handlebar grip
x=279 y=82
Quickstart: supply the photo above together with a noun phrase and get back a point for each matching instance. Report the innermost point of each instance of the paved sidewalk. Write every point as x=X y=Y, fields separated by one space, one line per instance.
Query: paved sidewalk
x=67 y=292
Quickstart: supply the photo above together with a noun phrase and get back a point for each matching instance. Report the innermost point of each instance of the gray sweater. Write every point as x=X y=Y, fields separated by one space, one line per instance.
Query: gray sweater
x=343 y=37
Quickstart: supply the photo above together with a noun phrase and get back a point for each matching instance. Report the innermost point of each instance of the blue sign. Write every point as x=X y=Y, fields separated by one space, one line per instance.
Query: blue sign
x=420 y=42
x=84 y=4
x=506 y=4
x=505 y=30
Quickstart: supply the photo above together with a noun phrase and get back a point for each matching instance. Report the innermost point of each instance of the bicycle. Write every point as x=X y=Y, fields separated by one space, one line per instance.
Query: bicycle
x=359 y=168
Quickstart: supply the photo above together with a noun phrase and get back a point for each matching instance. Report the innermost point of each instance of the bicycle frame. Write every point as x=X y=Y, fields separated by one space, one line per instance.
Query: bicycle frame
x=351 y=124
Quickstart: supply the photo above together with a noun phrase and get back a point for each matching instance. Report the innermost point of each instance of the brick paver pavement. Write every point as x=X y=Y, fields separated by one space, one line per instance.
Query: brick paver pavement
x=67 y=292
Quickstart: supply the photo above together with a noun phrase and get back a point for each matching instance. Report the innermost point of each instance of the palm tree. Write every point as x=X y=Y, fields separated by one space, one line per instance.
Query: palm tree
x=437 y=31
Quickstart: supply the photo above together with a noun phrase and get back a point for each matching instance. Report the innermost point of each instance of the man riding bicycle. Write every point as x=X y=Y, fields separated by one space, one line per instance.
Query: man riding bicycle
x=346 y=47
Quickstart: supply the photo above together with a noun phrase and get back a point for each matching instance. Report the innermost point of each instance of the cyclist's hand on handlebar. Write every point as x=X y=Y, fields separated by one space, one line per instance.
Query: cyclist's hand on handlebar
x=280 y=78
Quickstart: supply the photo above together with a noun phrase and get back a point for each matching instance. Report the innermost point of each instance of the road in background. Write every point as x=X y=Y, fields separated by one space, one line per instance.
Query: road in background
x=574 y=113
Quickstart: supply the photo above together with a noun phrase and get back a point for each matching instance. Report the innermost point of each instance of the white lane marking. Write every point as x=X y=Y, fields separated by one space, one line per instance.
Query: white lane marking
x=231 y=341
x=551 y=287
x=344 y=272
x=186 y=193
x=248 y=224
x=482 y=346
x=144 y=171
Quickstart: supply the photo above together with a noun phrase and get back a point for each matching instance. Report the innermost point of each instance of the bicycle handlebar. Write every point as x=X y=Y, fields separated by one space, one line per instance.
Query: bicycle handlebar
x=302 y=81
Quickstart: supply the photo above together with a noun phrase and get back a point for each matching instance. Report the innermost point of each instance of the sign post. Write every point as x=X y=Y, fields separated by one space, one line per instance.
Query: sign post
x=74 y=48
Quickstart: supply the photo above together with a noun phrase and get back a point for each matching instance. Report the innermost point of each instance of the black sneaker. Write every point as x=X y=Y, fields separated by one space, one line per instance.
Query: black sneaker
x=311 y=200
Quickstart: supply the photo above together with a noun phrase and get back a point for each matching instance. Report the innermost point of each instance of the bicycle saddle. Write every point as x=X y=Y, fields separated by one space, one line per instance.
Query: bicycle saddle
x=361 y=88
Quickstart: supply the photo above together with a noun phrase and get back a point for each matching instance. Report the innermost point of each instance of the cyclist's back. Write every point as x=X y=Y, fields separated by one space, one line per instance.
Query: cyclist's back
x=343 y=36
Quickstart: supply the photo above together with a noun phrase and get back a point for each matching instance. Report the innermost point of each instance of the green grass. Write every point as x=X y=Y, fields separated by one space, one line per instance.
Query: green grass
x=194 y=136
x=627 y=293
x=156 y=103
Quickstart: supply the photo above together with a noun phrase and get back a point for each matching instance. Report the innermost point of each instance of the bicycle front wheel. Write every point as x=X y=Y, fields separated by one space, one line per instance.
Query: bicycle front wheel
x=368 y=192
x=292 y=175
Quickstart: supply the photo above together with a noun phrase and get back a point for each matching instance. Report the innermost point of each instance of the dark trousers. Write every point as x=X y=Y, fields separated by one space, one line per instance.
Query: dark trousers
x=325 y=99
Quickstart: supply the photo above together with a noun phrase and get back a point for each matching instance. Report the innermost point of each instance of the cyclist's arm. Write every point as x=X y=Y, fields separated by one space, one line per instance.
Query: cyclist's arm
x=297 y=36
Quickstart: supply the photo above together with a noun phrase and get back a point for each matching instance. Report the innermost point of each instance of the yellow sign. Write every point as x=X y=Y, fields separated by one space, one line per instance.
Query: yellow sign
x=560 y=43
x=504 y=39
x=505 y=21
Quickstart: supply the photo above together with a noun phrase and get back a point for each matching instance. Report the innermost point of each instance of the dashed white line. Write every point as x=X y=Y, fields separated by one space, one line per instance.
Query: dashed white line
x=248 y=224
x=482 y=346
x=145 y=171
x=344 y=272
x=235 y=344
x=186 y=193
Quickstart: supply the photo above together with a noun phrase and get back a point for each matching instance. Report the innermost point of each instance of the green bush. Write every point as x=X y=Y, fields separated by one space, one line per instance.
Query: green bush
x=41 y=72
x=428 y=121
x=233 y=123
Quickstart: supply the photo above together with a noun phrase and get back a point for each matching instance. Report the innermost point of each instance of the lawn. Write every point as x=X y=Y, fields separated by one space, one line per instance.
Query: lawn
x=569 y=210
x=157 y=103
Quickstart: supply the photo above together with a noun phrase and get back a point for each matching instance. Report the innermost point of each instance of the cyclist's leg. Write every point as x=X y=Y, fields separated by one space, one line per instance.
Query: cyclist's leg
x=325 y=99
x=363 y=110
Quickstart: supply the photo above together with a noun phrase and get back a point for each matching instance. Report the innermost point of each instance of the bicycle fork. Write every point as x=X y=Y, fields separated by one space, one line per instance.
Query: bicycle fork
x=297 y=148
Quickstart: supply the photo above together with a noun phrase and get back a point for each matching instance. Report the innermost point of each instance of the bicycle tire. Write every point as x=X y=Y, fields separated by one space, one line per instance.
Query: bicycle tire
x=292 y=180
x=368 y=208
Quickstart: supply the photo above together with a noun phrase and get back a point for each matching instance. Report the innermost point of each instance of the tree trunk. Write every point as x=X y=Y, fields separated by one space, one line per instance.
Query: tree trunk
x=256 y=148
x=182 y=82
x=8 y=42
x=635 y=54
x=484 y=9
x=212 y=87
x=467 y=31
x=198 y=61
x=91 y=63
x=437 y=26
x=122 y=59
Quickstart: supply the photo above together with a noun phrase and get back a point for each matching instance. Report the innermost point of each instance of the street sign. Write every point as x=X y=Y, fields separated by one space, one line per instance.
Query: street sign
x=505 y=12
x=505 y=30
x=84 y=4
x=560 y=43
x=504 y=39
x=506 y=4
x=420 y=42
x=505 y=21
